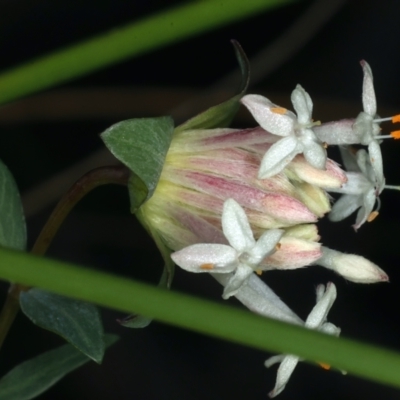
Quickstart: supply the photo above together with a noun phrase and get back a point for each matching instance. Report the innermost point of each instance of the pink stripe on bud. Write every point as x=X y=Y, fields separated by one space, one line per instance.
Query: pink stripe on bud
x=279 y=206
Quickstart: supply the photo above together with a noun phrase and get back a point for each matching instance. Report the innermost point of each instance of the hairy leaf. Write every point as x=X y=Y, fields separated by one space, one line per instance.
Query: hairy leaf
x=33 y=377
x=141 y=144
x=77 y=322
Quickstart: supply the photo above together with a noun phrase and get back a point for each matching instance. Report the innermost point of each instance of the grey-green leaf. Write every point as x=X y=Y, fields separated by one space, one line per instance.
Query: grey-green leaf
x=77 y=322
x=222 y=114
x=12 y=221
x=141 y=144
x=33 y=377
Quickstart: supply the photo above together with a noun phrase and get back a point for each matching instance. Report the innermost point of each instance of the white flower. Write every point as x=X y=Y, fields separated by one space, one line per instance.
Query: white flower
x=364 y=129
x=298 y=136
x=315 y=320
x=242 y=257
x=360 y=190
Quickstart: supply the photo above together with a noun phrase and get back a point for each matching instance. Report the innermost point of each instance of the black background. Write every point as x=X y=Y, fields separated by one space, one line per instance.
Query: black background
x=162 y=362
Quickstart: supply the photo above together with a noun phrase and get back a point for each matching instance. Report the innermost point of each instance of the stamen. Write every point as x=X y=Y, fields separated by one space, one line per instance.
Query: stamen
x=395 y=134
x=278 y=246
x=278 y=110
x=325 y=366
x=394 y=119
x=325 y=145
x=207 y=267
x=259 y=272
x=383 y=119
x=372 y=216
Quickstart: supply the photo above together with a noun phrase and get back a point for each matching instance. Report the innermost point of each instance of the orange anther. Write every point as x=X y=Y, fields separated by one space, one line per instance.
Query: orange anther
x=207 y=267
x=395 y=134
x=396 y=118
x=258 y=271
x=372 y=216
x=325 y=145
x=279 y=110
x=278 y=246
x=325 y=366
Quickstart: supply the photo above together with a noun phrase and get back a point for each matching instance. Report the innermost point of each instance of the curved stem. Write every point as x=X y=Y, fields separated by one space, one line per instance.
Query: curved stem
x=118 y=175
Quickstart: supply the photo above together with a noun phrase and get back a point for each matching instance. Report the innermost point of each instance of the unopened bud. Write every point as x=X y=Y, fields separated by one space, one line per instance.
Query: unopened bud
x=352 y=267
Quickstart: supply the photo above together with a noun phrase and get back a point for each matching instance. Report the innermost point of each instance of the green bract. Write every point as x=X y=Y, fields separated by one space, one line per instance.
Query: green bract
x=140 y=144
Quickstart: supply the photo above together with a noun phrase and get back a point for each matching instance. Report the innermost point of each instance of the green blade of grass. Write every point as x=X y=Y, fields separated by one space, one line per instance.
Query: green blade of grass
x=221 y=321
x=141 y=36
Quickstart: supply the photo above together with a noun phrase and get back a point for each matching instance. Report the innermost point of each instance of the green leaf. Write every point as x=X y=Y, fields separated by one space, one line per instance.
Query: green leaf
x=140 y=321
x=33 y=377
x=141 y=145
x=12 y=220
x=77 y=322
x=222 y=114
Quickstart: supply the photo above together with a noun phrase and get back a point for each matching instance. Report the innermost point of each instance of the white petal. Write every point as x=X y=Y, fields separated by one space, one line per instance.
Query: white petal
x=285 y=370
x=262 y=110
x=368 y=93
x=363 y=162
x=349 y=159
x=261 y=299
x=237 y=280
x=376 y=161
x=343 y=207
x=302 y=104
x=318 y=314
x=265 y=245
x=216 y=258
x=278 y=156
x=236 y=227
x=368 y=205
x=315 y=154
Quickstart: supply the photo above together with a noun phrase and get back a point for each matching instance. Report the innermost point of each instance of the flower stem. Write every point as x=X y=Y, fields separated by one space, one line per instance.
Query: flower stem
x=118 y=175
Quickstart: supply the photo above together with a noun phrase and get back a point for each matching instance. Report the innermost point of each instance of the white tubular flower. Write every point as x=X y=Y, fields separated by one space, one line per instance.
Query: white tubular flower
x=364 y=129
x=315 y=320
x=243 y=256
x=360 y=191
x=298 y=136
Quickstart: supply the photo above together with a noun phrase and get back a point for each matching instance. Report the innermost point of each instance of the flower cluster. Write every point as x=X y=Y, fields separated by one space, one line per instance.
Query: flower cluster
x=234 y=203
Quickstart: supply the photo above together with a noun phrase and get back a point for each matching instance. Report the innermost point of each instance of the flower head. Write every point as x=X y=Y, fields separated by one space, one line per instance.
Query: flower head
x=315 y=320
x=298 y=136
x=243 y=256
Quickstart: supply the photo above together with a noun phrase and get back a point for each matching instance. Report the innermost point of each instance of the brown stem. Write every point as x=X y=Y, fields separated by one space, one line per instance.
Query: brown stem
x=118 y=175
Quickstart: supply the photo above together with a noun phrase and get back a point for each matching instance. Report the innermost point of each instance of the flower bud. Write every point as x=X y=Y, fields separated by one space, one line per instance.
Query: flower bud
x=352 y=267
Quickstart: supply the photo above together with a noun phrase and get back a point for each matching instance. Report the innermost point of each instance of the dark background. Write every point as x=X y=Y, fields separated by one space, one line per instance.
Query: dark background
x=43 y=136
